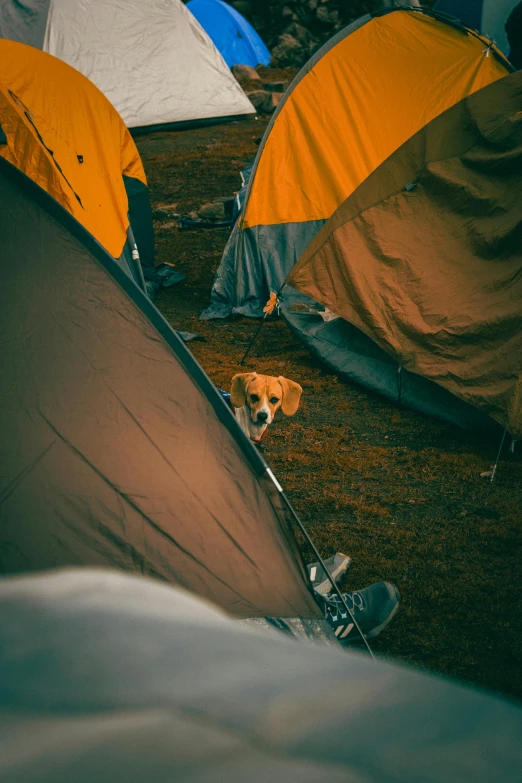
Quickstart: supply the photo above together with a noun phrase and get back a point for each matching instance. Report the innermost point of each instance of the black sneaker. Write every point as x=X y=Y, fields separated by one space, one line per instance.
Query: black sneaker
x=374 y=607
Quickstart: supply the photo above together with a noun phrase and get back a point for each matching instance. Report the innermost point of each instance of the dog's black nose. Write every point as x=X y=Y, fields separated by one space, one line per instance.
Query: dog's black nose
x=262 y=416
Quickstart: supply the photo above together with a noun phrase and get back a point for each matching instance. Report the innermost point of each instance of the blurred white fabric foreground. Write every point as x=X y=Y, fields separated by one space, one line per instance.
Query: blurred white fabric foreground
x=108 y=677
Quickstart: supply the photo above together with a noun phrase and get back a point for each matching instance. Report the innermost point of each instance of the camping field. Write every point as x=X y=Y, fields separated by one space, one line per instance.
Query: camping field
x=399 y=492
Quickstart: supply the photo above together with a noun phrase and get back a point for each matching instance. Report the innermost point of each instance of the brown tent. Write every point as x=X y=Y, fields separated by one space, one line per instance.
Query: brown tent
x=116 y=449
x=425 y=257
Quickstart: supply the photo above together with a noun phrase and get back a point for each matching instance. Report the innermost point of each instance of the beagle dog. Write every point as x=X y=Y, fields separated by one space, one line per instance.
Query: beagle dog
x=256 y=398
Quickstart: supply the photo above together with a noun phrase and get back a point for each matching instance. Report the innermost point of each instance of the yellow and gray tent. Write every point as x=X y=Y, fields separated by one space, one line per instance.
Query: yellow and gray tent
x=365 y=93
x=61 y=132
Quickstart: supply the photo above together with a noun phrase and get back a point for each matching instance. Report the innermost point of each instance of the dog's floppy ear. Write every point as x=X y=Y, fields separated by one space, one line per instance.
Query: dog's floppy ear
x=239 y=386
x=291 y=396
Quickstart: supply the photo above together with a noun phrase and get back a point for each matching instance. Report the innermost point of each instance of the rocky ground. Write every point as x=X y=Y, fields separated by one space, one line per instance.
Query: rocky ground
x=399 y=492
x=294 y=29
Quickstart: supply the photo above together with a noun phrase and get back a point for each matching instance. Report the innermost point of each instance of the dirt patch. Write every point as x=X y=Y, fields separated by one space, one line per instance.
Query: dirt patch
x=399 y=492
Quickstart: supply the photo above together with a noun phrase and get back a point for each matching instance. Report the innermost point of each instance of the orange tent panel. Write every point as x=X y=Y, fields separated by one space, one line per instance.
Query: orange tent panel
x=65 y=135
x=351 y=111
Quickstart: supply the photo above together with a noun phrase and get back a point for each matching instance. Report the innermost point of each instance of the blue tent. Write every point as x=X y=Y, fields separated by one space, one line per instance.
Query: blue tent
x=234 y=37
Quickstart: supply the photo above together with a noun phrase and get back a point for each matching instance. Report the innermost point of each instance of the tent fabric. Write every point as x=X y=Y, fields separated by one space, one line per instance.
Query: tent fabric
x=116 y=449
x=364 y=94
x=514 y=36
x=24 y=22
x=109 y=677
x=358 y=359
x=234 y=37
x=425 y=257
x=487 y=16
x=152 y=60
x=65 y=135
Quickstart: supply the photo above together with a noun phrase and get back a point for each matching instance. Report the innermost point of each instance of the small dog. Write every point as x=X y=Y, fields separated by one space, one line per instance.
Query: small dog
x=256 y=398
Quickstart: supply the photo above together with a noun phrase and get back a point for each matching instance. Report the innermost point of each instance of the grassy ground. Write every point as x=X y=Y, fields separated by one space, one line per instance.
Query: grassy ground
x=401 y=493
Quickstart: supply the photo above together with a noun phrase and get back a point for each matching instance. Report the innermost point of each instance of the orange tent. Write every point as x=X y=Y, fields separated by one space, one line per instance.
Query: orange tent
x=366 y=92
x=62 y=132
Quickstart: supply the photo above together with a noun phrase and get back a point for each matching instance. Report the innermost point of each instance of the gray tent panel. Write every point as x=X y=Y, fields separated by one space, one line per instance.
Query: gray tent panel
x=116 y=449
x=109 y=678
x=356 y=357
x=255 y=262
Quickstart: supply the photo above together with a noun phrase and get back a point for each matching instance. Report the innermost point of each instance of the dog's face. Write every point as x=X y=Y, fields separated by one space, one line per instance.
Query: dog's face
x=263 y=395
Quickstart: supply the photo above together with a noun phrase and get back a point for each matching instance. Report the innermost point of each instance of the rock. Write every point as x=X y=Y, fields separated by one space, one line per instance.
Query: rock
x=300 y=33
x=224 y=199
x=245 y=73
x=187 y=337
x=164 y=211
x=160 y=214
x=273 y=101
x=257 y=98
x=228 y=205
x=264 y=102
x=213 y=211
x=288 y=52
x=276 y=86
x=328 y=15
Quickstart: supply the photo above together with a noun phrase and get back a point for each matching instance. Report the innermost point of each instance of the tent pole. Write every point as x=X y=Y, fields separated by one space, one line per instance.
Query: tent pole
x=495 y=466
x=254 y=338
x=272 y=303
x=321 y=561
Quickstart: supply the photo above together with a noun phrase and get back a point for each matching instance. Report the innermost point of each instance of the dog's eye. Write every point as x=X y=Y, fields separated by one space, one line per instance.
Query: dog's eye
x=254 y=398
x=273 y=400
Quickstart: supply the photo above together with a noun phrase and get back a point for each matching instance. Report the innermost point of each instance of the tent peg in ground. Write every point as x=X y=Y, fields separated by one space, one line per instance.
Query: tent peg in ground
x=495 y=466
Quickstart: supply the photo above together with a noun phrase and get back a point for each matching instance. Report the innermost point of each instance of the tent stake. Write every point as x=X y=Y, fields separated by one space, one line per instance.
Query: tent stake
x=323 y=564
x=495 y=466
x=254 y=338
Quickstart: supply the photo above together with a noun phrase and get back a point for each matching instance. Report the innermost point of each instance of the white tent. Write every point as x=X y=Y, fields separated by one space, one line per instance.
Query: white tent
x=151 y=58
